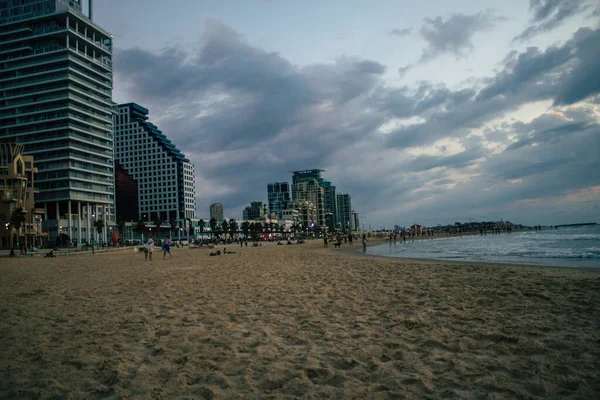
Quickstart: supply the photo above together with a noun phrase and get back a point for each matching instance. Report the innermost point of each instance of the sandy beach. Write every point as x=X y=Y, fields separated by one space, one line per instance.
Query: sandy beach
x=294 y=322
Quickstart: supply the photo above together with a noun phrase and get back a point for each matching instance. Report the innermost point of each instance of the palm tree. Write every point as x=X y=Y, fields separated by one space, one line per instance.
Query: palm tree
x=99 y=224
x=173 y=225
x=17 y=219
x=213 y=226
x=157 y=223
x=246 y=228
x=201 y=225
x=233 y=227
x=139 y=227
x=256 y=229
x=121 y=227
x=225 y=227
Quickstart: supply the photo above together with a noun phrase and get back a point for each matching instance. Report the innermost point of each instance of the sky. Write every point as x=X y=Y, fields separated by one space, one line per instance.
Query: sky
x=427 y=112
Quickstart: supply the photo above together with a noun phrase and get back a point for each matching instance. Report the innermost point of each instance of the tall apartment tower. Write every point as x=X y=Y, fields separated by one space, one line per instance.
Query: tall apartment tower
x=306 y=185
x=331 y=205
x=216 y=212
x=356 y=220
x=346 y=221
x=56 y=100
x=279 y=197
x=148 y=160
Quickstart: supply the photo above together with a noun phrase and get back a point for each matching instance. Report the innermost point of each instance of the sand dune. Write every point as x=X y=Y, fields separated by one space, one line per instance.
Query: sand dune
x=294 y=322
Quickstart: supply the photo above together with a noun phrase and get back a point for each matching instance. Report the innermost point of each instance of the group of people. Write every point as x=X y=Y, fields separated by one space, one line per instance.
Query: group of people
x=346 y=239
x=149 y=248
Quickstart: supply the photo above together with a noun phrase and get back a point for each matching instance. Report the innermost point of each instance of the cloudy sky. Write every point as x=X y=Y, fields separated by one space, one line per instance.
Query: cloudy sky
x=429 y=112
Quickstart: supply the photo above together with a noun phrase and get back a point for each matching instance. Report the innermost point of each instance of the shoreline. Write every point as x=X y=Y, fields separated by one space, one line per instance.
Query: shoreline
x=466 y=262
x=381 y=241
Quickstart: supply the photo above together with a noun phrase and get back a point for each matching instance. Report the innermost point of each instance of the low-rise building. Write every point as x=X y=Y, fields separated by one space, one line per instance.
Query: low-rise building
x=17 y=192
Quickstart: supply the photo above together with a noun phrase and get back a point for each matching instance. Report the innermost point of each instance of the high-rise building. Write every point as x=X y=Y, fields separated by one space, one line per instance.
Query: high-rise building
x=216 y=212
x=279 y=197
x=255 y=212
x=356 y=221
x=164 y=177
x=345 y=212
x=306 y=185
x=331 y=206
x=56 y=99
x=307 y=213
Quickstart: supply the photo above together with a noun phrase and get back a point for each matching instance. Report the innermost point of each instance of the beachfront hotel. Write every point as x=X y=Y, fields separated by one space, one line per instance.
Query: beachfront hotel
x=278 y=197
x=306 y=214
x=331 y=205
x=154 y=177
x=306 y=185
x=217 y=212
x=346 y=221
x=56 y=100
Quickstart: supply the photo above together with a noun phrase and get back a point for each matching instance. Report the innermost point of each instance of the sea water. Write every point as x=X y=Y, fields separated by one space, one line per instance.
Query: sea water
x=562 y=247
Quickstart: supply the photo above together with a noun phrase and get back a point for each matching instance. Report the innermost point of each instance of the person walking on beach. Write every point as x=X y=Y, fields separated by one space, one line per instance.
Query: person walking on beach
x=350 y=239
x=167 y=248
x=364 y=242
x=149 y=247
x=325 y=241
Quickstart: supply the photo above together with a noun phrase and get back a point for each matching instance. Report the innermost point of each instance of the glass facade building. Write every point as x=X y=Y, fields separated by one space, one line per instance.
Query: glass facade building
x=278 y=197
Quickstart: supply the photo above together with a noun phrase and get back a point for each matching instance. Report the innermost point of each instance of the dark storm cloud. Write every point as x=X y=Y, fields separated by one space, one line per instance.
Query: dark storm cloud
x=584 y=79
x=453 y=34
x=565 y=74
x=247 y=117
x=549 y=14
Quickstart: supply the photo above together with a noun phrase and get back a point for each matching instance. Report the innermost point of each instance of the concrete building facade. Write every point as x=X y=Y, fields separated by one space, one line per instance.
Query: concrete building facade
x=307 y=213
x=257 y=211
x=163 y=175
x=356 y=221
x=217 y=212
x=306 y=186
x=56 y=99
x=17 y=192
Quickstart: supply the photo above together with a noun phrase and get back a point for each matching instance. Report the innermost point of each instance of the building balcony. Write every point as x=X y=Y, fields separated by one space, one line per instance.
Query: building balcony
x=104 y=62
x=31 y=75
x=39 y=58
x=38 y=33
x=89 y=121
x=32 y=121
x=97 y=44
x=105 y=84
x=35 y=82
x=91 y=86
x=35 y=62
x=14 y=31
x=16 y=49
x=90 y=94
x=37 y=91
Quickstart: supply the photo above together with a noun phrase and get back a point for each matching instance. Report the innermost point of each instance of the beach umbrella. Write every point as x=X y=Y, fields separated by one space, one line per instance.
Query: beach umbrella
x=115 y=238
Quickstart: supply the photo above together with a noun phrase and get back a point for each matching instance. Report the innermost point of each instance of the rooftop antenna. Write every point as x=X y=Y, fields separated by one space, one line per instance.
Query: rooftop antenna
x=90 y=7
